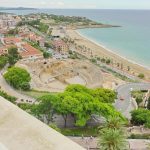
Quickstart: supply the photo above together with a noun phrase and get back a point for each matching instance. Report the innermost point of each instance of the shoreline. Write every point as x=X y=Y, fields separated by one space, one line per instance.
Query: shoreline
x=111 y=51
x=102 y=51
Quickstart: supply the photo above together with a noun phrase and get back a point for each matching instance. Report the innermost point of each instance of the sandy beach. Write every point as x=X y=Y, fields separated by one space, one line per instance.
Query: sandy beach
x=102 y=52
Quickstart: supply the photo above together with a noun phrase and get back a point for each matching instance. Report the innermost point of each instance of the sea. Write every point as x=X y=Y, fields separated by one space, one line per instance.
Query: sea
x=131 y=40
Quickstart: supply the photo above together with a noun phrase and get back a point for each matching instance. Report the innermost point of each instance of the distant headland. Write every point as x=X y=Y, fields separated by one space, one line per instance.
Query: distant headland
x=16 y=8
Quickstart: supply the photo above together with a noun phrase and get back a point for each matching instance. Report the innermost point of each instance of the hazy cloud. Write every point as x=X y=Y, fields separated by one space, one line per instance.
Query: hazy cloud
x=128 y=4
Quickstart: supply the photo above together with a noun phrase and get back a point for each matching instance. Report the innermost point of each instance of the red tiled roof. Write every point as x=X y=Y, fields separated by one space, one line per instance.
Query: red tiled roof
x=12 y=40
x=28 y=50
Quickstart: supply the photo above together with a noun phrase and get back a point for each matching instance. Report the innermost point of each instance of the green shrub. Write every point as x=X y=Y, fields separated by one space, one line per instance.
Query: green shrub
x=139 y=136
x=54 y=126
x=46 y=55
x=140 y=117
x=8 y=97
x=3 y=61
x=18 y=78
x=141 y=76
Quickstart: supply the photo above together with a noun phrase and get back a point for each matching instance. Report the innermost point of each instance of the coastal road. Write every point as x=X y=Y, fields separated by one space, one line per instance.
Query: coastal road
x=124 y=91
x=4 y=86
x=121 y=72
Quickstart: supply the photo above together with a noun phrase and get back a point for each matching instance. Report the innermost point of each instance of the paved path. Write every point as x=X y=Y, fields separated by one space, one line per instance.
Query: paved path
x=11 y=91
x=91 y=143
x=125 y=106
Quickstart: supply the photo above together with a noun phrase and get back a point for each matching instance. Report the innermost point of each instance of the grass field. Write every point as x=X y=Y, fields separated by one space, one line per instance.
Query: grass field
x=86 y=131
x=35 y=94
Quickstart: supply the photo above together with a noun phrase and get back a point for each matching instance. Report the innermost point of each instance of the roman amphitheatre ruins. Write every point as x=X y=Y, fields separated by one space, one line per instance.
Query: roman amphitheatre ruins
x=54 y=75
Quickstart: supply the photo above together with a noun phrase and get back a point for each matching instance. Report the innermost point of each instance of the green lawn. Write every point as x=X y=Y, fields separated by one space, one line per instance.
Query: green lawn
x=86 y=131
x=35 y=94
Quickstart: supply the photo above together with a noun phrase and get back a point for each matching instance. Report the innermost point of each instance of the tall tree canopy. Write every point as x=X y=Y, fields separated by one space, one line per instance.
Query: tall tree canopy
x=81 y=103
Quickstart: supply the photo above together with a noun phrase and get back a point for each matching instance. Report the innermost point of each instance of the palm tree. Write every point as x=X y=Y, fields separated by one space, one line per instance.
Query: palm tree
x=114 y=122
x=112 y=135
x=112 y=139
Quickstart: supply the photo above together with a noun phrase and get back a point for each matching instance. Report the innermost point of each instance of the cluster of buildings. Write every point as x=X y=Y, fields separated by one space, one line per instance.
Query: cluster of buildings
x=28 y=35
x=7 y=22
x=25 y=50
x=25 y=36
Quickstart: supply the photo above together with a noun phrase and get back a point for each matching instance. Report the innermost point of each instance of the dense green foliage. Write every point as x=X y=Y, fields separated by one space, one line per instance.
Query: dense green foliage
x=138 y=95
x=112 y=135
x=8 y=97
x=3 y=61
x=82 y=102
x=13 y=55
x=112 y=139
x=36 y=24
x=141 y=76
x=46 y=106
x=18 y=78
x=69 y=19
x=47 y=45
x=140 y=117
x=47 y=55
x=79 y=102
x=25 y=106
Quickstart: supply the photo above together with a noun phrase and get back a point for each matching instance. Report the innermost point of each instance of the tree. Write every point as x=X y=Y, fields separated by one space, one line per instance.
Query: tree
x=46 y=55
x=108 y=61
x=112 y=139
x=76 y=101
x=46 y=106
x=114 y=122
x=80 y=102
x=141 y=76
x=103 y=60
x=18 y=78
x=66 y=106
x=3 y=61
x=104 y=95
x=112 y=135
x=13 y=55
x=47 y=45
x=93 y=60
x=128 y=68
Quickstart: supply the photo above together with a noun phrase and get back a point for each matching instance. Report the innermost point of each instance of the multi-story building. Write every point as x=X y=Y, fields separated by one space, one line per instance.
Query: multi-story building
x=60 y=46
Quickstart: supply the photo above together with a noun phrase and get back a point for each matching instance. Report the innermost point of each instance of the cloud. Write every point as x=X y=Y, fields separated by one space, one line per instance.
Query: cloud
x=43 y=3
x=60 y=3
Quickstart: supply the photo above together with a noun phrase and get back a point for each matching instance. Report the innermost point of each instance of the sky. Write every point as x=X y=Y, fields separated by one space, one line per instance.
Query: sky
x=92 y=4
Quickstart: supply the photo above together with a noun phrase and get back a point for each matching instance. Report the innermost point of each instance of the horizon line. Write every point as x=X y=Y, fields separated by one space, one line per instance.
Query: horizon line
x=79 y=8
